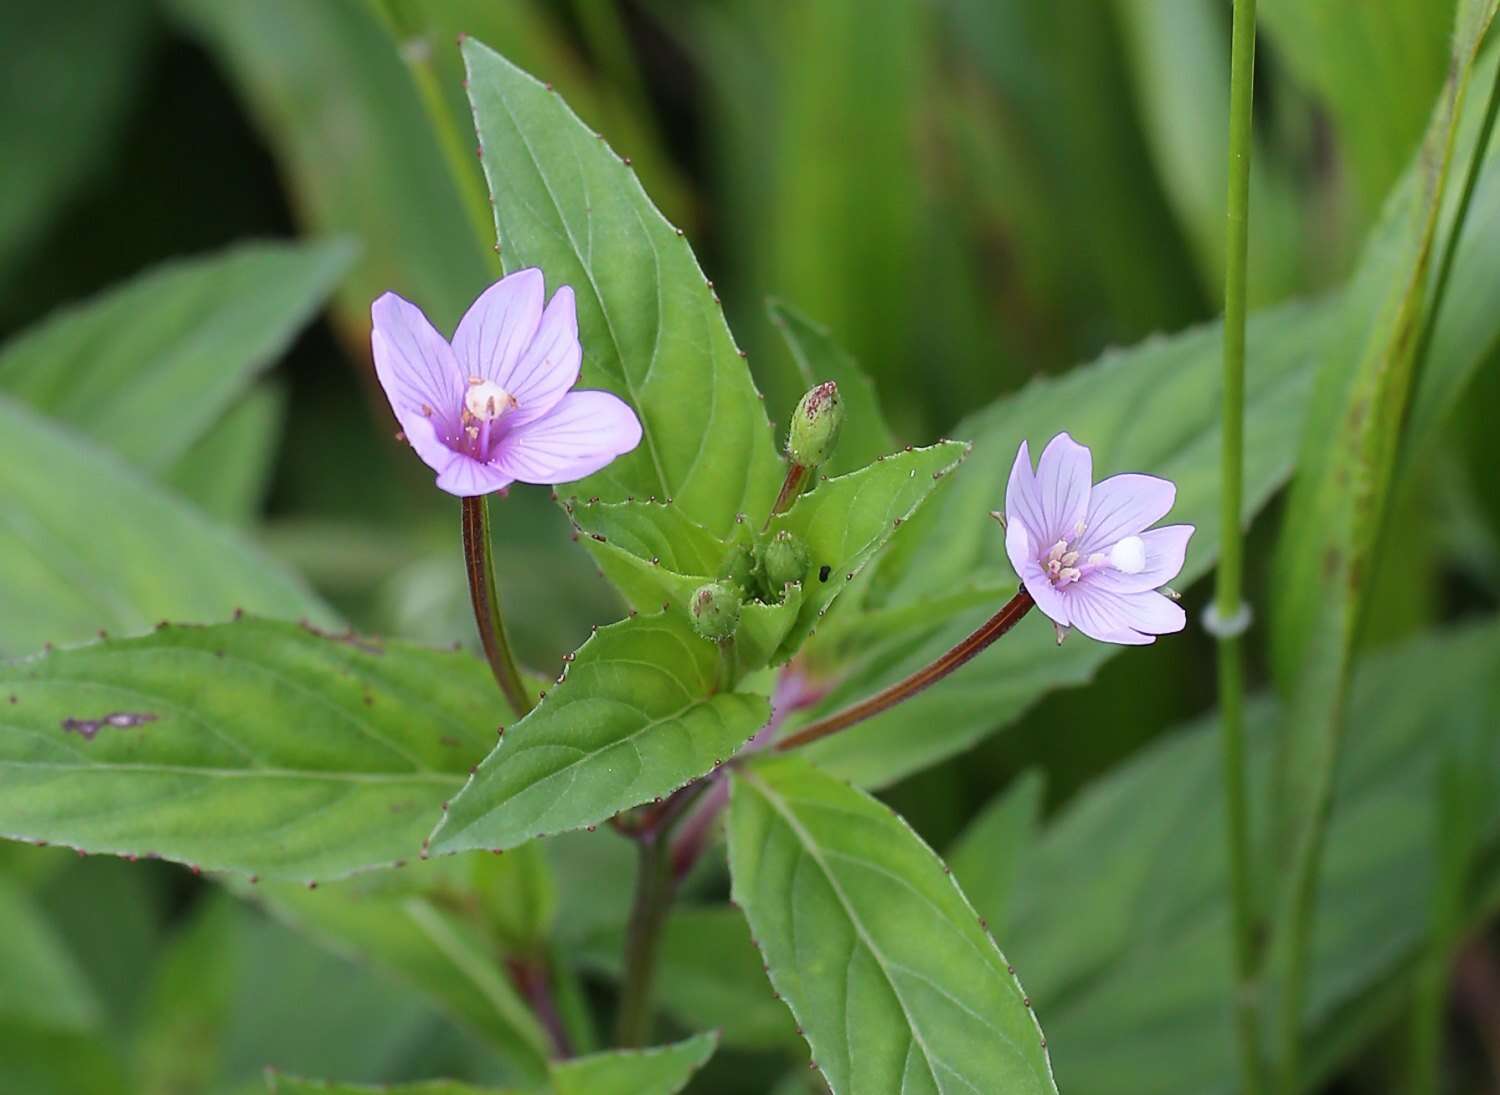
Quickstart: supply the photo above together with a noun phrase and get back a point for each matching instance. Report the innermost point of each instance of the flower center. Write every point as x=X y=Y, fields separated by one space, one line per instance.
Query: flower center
x=1062 y=566
x=485 y=401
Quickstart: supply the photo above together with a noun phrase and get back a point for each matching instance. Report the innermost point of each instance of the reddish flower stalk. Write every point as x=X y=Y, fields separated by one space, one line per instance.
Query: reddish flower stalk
x=977 y=641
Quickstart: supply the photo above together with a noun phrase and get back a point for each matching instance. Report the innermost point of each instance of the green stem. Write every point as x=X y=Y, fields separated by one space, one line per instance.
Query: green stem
x=1228 y=593
x=416 y=51
x=480 y=566
x=654 y=886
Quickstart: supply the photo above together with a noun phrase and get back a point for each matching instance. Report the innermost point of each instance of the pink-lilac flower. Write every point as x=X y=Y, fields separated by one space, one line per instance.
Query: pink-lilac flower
x=1087 y=554
x=495 y=406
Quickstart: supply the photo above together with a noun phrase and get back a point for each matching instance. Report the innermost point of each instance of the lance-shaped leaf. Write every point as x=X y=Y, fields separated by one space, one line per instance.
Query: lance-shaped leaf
x=650 y=324
x=87 y=544
x=664 y=1070
x=892 y=976
x=149 y=367
x=864 y=436
x=843 y=522
x=257 y=747
x=1338 y=502
x=638 y=714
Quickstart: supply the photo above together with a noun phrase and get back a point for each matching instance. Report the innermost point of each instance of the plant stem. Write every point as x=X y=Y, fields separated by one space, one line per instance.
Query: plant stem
x=791 y=486
x=987 y=632
x=416 y=52
x=654 y=887
x=480 y=566
x=1228 y=592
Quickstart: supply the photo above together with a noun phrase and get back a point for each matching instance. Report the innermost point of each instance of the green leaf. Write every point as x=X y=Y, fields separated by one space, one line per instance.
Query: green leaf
x=664 y=1070
x=149 y=367
x=227 y=472
x=990 y=854
x=843 y=522
x=179 y=1042
x=1375 y=68
x=311 y=70
x=41 y=982
x=58 y=131
x=1151 y=909
x=42 y=1060
x=709 y=976
x=1178 y=58
x=652 y=531
x=87 y=544
x=255 y=747
x=421 y=938
x=331 y=1016
x=656 y=557
x=651 y=327
x=865 y=437
x=637 y=715
x=893 y=978
x=1338 y=503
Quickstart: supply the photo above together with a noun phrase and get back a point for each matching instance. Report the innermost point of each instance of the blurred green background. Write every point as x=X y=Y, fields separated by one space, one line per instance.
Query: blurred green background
x=969 y=193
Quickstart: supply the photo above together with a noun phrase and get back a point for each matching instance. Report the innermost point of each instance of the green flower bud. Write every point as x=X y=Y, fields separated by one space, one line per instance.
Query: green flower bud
x=815 y=425
x=716 y=610
x=739 y=567
x=785 y=561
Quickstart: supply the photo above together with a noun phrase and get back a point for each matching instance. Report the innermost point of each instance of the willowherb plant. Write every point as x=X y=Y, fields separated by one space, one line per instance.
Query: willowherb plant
x=708 y=671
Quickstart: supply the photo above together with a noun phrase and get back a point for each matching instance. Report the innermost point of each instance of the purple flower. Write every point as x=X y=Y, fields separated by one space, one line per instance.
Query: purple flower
x=495 y=407
x=1088 y=555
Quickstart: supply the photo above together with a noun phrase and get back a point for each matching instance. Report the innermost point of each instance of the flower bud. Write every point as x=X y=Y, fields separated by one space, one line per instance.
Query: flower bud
x=739 y=567
x=716 y=610
x=815 y=425
x=785 y=560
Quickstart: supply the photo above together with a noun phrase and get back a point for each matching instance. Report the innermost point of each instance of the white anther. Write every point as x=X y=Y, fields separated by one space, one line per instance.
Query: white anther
x=1069 y=574
x=1069 y=559
x=486 y=400
x=1129 y=555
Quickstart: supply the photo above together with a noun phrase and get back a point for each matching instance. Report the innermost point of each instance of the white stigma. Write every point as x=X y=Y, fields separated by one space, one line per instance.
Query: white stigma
x=486 y=401
x=1129 y=555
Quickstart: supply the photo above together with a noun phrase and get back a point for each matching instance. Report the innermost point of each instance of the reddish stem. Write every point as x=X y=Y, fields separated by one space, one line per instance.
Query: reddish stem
x=791 y=486
x=987 y=632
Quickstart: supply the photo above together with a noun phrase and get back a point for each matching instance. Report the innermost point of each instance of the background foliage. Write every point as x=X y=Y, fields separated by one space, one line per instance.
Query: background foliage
x=1008 y=217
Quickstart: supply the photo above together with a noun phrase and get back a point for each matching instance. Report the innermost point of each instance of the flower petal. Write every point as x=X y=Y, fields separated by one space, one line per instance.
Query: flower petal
x=499 y=326
x=468 y=478
x=581 y=434
x=416 y=367
x=1166 y=549
x=1063 y=475
x=1054 y=605
x=1125 y=505
x=1023 y=509
x=1129 y=618
x=549 y=366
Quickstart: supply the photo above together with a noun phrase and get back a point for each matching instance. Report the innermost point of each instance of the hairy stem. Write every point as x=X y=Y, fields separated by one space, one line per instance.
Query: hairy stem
x=654 y=888
x=480 y=566
x=987 y=632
